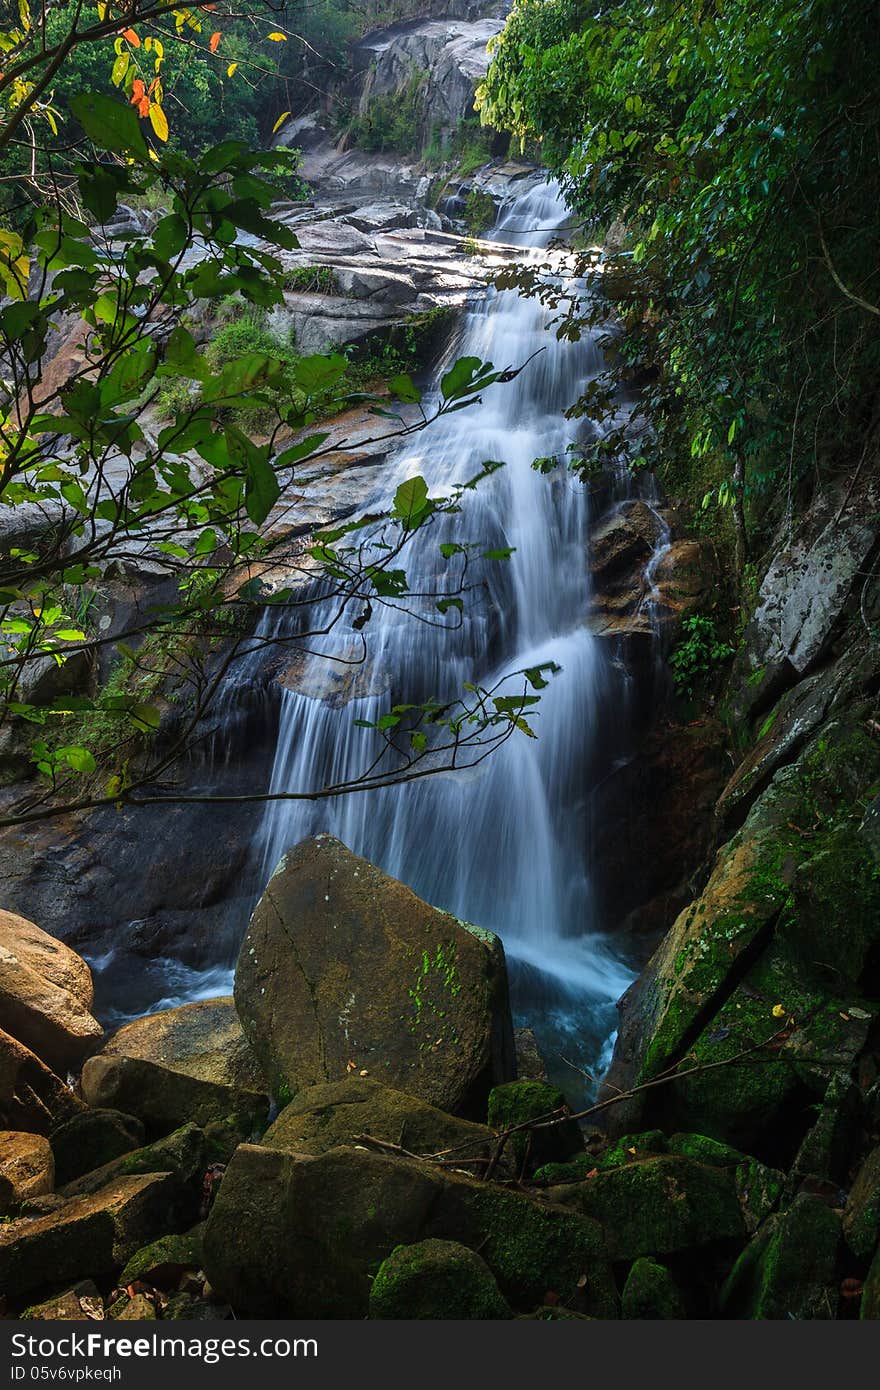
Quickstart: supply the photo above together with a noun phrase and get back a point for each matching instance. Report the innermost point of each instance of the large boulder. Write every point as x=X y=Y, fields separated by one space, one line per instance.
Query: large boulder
x=662 y=1205
x=47 y=956
x=92 y=1138
x=44 y=987
x=187 y=1154
x=339 y=1112
x=861 y=1217
x=87 y=1237
x=32 y=1097
x=26 y=1168
x=345 y=969
x=190 y=1063
x=435 y=1279
x=291 y=1235
x=203 y=1040
x=790 y=1268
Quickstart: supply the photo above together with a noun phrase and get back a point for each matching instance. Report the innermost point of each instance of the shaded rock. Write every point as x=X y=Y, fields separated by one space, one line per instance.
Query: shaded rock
x=187 y=1154
x=300 y=1236
x=47 y=957
x=623 y=539
x=26 y=1168
x=651 y=1292
x=664 y=1205
x=861 y=1216
x=323 y=1117
x=802 y=597
x=435 y=1279
x=530 y=1065
x=32 y=1097
x=203 y=1040
x=870 y=1307
x=165 y=1098
x=82 y=1303
x=88 y=1236
x=163 y=1261
x=517 y=1102
x=789 y=1269
x=91 y=1139
x=343 y=967
x=137 y=1309
x=48 y=1019
x=758 y=1188
x=183 y=1307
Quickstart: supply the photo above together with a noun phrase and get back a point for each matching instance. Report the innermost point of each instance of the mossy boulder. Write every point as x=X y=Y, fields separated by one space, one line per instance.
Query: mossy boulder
x=435 y=1279
x=185 y=1155
x=861 y=1216
x=518 y=1102
x=344 y=968
x=88 y=1236
x=78 y=1304
x=91 y=1139
x=323 y=1117
x=870 y=1307
x=651 y=1292
x=790 y=1268
x=301 y=1236
x=165 y=1098
x=758 y=1187
x=662 y=1205
x=163 y=1261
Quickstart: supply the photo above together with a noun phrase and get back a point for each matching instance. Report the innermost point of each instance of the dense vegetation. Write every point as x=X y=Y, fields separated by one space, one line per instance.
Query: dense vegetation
x=738 y=146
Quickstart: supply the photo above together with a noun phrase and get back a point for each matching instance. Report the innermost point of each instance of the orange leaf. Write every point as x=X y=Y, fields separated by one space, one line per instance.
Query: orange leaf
x=132 y=37
x=144 y=107
x=137 y=91
x=214 y=41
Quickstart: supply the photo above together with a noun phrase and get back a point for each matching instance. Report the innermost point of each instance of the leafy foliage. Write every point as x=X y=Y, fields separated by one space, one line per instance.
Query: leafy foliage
x=699 y=654
x=738 y=149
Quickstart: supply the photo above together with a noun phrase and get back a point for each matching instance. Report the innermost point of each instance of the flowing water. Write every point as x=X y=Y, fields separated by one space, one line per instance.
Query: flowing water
x=507 y=844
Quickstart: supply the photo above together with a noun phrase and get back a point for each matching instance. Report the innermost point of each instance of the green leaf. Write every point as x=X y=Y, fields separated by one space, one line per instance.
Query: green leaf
x=403 y=389
x=319 y=373
x=111 y=125
x=148 y=716
x=411 y=503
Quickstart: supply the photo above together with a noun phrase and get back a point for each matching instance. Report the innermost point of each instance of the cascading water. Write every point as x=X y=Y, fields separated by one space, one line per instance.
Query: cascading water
x=507 y=844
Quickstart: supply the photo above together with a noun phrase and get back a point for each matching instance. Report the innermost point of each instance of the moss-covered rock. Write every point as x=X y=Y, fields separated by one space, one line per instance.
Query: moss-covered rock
x=619 y=1151
x=789 y=1269
x=165 y=1098
x=435 y=1279
x=186 y=1154
x=518 y=1102
x=758 y=1188
x=91 y=1139
x=77 y=1304
x=301 y=1236
x=342 y=964
x=88 y=1236
x=27 y=1168
x=651 y=1292
x=861 y=1217
x=323 y=1117
x=163 y=1261
x=664 y=1205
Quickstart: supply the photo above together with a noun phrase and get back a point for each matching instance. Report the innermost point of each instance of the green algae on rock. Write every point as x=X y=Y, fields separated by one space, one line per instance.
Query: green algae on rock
x=651 y=1292
x=436 y=1279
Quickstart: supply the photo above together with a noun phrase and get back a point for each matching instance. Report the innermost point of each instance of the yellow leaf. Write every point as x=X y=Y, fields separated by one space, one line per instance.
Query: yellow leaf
x=280 y=122
x=231 y=69
x=779 y=1011
x=159 y=121
x=278 y=38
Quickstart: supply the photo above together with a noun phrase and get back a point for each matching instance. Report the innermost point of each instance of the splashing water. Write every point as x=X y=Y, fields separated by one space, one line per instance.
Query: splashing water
x=507 y=844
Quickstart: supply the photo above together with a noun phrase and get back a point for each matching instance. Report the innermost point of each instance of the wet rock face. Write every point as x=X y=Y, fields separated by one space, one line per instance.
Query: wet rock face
x=345 y=969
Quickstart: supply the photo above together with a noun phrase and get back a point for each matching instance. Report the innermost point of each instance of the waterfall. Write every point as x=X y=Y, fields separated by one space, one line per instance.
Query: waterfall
x=506 y=845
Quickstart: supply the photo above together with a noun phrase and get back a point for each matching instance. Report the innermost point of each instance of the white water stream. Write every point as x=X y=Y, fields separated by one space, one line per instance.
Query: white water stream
x=505 y=845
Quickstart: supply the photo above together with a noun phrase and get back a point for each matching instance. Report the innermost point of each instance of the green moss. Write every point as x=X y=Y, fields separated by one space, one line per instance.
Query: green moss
x=789 y=1269
x=518 y=1102
x=163 y=1261
x=663 y=1205
x=651 y=1292
x=436 y=1279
